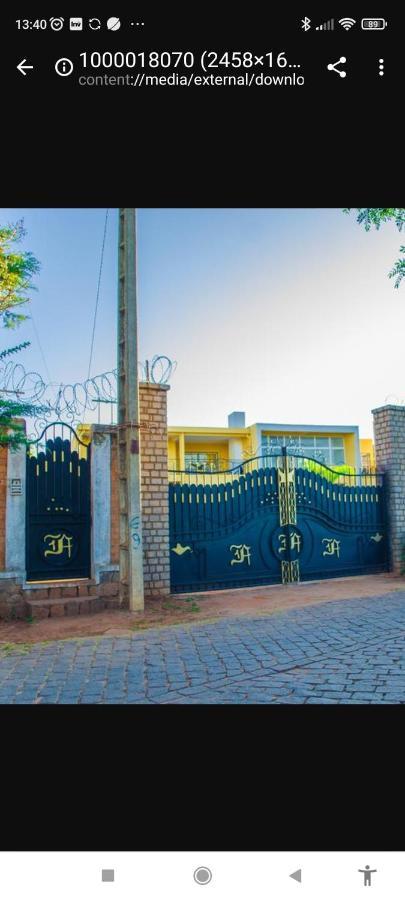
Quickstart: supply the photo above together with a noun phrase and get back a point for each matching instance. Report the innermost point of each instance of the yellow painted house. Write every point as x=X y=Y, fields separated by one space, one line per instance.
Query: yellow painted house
x=203 y=449
x=367 y=453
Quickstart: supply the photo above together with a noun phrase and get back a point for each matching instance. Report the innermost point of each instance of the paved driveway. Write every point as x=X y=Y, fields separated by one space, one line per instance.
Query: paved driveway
x=346 y=651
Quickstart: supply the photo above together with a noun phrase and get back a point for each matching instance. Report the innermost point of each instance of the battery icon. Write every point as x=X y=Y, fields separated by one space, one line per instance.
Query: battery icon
x=373 y=24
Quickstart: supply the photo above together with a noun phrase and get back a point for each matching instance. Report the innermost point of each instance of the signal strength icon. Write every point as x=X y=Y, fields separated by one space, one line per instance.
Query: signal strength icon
x=326 y=26
x=347 y=23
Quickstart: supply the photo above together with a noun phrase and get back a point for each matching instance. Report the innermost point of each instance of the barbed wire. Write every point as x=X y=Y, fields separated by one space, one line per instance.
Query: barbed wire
x=69 y=402
x=393 y=400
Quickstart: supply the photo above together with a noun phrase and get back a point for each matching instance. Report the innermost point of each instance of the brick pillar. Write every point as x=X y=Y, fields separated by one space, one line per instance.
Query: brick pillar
x=389 y=440
x=154 y=488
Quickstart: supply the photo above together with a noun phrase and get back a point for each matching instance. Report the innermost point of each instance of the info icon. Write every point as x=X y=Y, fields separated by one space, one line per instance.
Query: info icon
x=64 y=66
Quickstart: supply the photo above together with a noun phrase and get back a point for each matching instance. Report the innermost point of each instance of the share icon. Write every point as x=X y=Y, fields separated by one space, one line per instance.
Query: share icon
x=332 y=67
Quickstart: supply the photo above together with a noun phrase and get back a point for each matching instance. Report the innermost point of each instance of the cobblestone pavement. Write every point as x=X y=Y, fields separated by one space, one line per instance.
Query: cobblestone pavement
x=348 y=651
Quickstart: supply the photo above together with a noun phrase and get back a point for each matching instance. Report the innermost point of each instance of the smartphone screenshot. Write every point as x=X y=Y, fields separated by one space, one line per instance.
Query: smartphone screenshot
x=202 y=438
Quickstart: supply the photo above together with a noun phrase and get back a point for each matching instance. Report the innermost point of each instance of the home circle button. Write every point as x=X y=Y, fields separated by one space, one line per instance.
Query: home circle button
x=202 y=875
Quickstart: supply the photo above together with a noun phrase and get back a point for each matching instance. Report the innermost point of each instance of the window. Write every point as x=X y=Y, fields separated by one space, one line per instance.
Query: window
x=330 y=451
x=337 y=451
x=201 y=462
x=338 y=457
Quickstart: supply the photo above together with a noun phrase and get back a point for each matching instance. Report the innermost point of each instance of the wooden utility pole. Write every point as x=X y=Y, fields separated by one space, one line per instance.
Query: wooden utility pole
x=129 y=473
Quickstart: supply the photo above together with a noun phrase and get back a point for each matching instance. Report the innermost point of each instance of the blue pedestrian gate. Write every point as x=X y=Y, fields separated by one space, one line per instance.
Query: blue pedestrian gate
x=58 y=505
x=274 y=519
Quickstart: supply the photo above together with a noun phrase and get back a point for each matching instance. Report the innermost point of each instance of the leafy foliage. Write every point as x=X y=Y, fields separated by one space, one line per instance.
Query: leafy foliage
x=324 y=470
x=398 y=271
x=376 y=217
x=16 y=272
x=12 y=432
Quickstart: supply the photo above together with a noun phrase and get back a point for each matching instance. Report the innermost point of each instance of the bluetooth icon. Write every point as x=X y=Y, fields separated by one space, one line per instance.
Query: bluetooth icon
x=306 y=23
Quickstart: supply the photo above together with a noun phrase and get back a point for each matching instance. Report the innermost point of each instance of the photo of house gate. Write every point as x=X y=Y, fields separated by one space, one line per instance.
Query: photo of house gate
x=274 y=519
x=232 y=534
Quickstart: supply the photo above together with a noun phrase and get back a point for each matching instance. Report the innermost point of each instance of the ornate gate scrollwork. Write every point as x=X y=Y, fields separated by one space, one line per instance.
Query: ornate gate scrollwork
x=290 y=566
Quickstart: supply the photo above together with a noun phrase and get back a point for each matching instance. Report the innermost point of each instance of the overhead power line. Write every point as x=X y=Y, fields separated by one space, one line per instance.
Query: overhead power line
x=97 y=295
x=40 y=346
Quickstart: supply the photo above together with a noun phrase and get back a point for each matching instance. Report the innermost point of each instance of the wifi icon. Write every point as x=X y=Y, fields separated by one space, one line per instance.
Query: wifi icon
x=347 y=23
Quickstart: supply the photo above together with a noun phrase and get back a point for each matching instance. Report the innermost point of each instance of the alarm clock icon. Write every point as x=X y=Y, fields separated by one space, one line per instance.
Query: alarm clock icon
x=56 y=24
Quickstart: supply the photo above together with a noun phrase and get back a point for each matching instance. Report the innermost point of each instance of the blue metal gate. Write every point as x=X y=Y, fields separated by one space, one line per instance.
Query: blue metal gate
x=58 y=505
x=274 y=519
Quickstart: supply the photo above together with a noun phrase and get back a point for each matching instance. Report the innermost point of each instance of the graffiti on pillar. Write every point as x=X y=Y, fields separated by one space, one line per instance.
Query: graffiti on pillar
x=134 y=527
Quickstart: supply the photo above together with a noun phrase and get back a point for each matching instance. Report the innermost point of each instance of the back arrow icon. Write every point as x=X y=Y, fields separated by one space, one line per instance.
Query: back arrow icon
x=297 y=876
x=22 y=67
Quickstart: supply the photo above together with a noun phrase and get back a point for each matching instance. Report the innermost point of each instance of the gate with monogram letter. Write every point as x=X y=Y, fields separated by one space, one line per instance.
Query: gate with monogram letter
x=274 y=519
x=58 y=505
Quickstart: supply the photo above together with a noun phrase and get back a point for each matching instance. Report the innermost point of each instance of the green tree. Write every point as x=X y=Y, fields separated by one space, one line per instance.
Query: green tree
x=376 y=218
x=16 y=273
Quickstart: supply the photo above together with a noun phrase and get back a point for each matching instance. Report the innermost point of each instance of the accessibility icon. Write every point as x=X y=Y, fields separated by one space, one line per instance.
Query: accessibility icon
x=367 y=872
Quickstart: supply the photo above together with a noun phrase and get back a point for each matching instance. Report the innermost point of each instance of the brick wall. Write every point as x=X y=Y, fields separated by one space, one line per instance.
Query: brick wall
x=389 y=439
x=3 y=498
x=154 y=488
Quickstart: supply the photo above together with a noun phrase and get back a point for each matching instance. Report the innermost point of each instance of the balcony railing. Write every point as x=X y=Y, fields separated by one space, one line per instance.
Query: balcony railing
x=207 y=467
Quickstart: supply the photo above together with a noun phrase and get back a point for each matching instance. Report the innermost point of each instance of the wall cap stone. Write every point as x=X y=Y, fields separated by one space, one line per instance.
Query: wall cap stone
x=102 y=429
x=388 y=406
x=151 y=386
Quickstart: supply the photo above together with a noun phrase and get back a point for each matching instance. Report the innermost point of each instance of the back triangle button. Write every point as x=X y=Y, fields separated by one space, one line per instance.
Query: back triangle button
x=297 y=875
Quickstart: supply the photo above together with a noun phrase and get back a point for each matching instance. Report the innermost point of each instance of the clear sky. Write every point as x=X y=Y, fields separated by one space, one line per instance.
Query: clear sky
x=287 y=314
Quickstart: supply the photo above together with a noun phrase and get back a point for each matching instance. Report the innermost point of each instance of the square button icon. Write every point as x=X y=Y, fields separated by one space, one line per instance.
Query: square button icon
x=76 y=24
x=107 y=875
